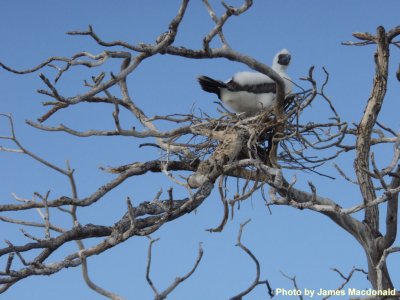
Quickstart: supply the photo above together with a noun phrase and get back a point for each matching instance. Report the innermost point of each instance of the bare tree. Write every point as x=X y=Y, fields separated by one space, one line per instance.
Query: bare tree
x=256 y=149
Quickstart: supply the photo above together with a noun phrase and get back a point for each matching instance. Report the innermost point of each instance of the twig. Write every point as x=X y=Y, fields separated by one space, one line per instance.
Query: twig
x=224 y=204
x=252 y=256
x=177 y=281
x=346 y=278
x=293 y=279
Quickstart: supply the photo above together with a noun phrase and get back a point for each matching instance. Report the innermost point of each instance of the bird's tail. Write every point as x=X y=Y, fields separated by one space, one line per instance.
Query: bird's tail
x=211 y=85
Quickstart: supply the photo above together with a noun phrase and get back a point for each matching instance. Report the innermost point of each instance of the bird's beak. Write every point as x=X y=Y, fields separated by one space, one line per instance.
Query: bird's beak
x=284 y=59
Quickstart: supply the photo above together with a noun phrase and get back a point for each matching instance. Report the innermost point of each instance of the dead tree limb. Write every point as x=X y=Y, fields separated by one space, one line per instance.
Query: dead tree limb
x=177 y=281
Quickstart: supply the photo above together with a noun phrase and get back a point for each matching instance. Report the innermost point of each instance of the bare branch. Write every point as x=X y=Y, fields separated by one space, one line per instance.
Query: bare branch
x=23 y=150
x=346 y=278
x=225 y=206
x=177 y=281
x=344 y=175
x=252 y=256
x=219 y=23
x=121 y=132
x=367 y=123
x=133 y=170
x=391 y=215
x=293 y=279
x=149 y=253
x=216 y=20
x=381 y=266
x=91 y=284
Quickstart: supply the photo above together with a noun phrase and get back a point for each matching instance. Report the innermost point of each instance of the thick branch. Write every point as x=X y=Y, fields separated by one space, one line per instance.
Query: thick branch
x=391 y=215
x=135 y=169
x=366 y=125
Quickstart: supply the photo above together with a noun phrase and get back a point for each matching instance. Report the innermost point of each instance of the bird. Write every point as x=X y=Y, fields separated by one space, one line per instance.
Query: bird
x=249 y=92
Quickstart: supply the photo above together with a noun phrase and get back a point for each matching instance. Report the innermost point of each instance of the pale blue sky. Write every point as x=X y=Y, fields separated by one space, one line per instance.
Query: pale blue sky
x=300 y=243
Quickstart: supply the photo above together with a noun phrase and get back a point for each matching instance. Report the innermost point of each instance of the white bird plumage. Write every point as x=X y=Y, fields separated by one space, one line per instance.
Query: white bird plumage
x=249 y=92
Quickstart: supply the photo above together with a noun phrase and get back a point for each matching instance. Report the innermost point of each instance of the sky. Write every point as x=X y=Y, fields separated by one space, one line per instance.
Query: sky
x=298 y=243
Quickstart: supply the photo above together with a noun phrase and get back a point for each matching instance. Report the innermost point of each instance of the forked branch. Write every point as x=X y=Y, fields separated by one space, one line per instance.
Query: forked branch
x=177 y=281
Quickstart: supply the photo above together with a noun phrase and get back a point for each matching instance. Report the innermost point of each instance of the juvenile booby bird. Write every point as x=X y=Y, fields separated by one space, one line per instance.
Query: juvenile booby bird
x=249 y=92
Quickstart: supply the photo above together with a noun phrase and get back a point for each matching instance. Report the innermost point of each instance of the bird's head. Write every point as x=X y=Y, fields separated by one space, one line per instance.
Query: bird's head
x=282 y=57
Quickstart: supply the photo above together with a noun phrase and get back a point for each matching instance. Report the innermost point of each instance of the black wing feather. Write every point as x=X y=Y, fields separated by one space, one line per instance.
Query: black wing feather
x=268 y=87
x=211 y=85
